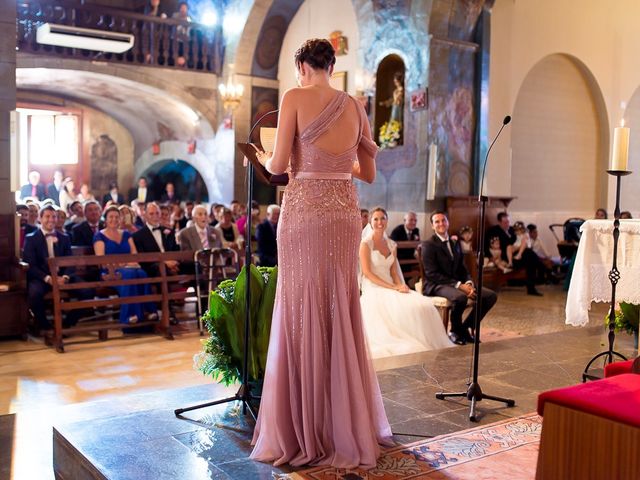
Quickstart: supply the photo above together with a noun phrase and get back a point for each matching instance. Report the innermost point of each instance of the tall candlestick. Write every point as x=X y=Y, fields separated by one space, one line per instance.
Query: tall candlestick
x=620 y=154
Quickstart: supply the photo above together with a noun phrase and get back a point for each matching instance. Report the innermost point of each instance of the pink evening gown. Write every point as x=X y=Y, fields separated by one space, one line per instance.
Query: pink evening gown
x=321 y=403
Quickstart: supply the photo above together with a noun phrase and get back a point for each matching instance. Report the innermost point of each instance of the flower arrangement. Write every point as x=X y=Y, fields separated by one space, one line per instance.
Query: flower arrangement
x=222 y=353
x=627 y=319
x=389 y=134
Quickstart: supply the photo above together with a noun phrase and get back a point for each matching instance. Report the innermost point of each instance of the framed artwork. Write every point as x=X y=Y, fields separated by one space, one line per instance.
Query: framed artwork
x=339 y=81
x=419 y=100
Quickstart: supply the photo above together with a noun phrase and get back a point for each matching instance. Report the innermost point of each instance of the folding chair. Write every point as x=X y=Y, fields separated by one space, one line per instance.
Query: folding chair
x=211 y=267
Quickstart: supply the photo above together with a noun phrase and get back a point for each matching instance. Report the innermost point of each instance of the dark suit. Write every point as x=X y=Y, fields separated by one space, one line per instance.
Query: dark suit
x=54 y=193
x=146 y=242
x=108 y=198
x=399 y=234
x=529 y=260
x=36 y=254
x=442 y=273
x=267 y=244
x=26 y=191
x=165 y=198
x=82 y=235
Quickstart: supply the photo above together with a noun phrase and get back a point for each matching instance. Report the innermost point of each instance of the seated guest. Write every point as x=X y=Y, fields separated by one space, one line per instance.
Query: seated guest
x=408 y=231
x=140 y=193
x=522 y=240
x=494 y=259
x=466 y=235
x=34 y=189
x=114 y=195
x=601 y=214
x=189 y=205
x=548 y=262
x=61 y=218
x=85 y=194
x=169 y=195
x=75 y=215
x=22 y=211
x=396 y=319
x=153 y=237
x=113 y=241
x=215 y=214
x=34 y=213
x=178 y=218
x=528 y=260
x=82 y=234
x=67 y=193
x=201 y=235
x=138 y=211
x=39 y=246
x=266 y=236
x=236 y=210
x=54 y=188
x=126 y=219
x=364 y=217
x=626 y=215
x=446 y=276
x=228 y=232
x=241 y=223
x=165 y=217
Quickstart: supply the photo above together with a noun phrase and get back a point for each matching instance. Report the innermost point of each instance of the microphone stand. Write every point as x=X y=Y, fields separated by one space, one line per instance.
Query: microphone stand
x=474 y=392
x=243 y=394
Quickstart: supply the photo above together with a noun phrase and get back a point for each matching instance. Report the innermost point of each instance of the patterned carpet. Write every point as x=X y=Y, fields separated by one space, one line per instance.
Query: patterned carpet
x=504 y=450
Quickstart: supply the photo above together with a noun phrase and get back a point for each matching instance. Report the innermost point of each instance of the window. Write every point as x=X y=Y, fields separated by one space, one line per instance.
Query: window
x=53 y=138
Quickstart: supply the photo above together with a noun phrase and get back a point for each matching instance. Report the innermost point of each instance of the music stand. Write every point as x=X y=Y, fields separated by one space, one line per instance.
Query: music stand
x=244 y=394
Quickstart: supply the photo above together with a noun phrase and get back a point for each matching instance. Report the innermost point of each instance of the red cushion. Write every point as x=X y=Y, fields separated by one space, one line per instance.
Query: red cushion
x=617 y=368
x=616 y=398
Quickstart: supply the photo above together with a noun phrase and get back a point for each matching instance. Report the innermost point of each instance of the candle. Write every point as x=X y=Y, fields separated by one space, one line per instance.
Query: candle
x=620 y=154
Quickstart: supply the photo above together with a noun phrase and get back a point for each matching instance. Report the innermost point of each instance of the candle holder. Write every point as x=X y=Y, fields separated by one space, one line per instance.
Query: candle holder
x=614 y=277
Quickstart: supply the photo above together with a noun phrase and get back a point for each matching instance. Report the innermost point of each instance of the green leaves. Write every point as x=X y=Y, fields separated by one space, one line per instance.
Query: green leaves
x=627 y=318
x=223 y=352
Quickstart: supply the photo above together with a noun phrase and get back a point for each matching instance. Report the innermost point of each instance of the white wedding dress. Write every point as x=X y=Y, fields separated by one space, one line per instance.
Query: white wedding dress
x=397 y=323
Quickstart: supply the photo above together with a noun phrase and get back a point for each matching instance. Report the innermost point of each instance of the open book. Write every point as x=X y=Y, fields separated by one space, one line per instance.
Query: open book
x=249 y=151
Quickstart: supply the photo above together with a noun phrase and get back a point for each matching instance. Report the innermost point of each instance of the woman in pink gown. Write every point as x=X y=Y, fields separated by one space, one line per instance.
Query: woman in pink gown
x=321 y=403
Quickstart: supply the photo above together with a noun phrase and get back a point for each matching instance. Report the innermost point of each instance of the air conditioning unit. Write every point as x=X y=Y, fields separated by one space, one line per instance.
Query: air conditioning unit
x=85 y=38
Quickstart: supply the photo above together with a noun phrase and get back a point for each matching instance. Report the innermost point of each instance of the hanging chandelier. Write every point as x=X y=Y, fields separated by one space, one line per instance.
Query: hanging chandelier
x=231 y=92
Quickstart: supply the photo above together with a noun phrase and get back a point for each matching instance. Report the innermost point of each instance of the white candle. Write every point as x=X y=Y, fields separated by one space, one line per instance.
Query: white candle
x=620 y=154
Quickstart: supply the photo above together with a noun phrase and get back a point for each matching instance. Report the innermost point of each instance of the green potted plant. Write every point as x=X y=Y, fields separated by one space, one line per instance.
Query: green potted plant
x=627 y=320
x=222 y=353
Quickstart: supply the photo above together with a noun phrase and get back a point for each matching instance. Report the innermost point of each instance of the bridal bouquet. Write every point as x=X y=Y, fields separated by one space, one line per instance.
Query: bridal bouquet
x=222 y=353
x=389 y=134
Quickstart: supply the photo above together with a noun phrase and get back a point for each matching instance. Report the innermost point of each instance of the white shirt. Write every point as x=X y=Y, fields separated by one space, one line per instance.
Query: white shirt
x=50 y=242
x=204 y=237
x=157 y=234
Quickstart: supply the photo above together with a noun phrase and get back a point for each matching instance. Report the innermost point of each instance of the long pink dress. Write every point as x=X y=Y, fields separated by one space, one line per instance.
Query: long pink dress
x=321 y=403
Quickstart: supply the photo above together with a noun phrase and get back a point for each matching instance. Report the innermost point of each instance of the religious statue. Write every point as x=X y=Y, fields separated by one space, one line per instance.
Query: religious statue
x=391 y=131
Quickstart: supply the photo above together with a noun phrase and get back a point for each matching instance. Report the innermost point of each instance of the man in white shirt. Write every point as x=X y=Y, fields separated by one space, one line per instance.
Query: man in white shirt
x=155 y=238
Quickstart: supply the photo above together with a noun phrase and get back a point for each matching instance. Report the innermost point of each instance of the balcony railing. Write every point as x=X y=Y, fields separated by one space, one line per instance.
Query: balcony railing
x=159 y=42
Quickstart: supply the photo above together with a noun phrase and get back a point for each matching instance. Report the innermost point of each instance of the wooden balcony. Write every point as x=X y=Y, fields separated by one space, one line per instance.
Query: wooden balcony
x=158 y=42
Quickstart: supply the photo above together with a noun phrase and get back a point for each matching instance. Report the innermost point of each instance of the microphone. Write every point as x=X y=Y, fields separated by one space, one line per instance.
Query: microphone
x=505 y=122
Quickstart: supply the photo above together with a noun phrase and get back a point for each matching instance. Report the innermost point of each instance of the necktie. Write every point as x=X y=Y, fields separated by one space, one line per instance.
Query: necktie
x=203 y=239
x=34 y=191
x=94 y=228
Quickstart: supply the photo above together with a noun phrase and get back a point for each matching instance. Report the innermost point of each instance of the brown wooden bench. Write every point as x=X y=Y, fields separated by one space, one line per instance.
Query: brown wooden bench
x=411 y=266
x=492 y=277
x=62 y=302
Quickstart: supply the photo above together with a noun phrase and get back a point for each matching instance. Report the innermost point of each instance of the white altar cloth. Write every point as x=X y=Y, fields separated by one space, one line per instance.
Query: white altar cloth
x=594 y=259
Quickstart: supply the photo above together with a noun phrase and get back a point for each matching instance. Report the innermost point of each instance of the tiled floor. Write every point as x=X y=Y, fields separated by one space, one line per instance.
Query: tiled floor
x=548 y=355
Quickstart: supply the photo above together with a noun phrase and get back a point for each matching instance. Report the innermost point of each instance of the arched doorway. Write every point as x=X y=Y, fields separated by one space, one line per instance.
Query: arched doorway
x=559 y=142
x=189 y=184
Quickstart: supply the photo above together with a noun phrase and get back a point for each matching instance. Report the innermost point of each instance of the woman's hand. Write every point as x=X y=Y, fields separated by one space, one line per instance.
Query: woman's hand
x=402 y=288
x=263 y=157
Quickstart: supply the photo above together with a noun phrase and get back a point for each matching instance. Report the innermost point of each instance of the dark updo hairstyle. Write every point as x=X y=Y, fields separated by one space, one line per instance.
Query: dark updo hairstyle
x=317 y=52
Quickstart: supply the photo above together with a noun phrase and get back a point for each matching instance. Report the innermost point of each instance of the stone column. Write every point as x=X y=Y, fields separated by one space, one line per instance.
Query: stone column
x=7 y=104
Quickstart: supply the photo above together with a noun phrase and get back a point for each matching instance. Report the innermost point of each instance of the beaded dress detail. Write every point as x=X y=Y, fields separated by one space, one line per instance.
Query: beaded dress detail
x=321 y=403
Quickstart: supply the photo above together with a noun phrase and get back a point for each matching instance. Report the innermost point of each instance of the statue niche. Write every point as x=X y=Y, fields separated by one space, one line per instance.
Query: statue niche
x=104 y=163
x=389 y=114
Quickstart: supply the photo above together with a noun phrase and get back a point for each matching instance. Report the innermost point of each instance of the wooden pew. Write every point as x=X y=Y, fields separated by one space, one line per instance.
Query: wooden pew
x=61 y=293
x=412 y=273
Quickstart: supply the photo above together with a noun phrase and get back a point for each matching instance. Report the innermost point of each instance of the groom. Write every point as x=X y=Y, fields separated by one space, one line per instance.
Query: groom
x=446 y=276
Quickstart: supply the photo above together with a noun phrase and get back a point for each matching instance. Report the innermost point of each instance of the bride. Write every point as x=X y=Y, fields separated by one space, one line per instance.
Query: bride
x=396 y=319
